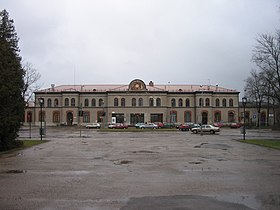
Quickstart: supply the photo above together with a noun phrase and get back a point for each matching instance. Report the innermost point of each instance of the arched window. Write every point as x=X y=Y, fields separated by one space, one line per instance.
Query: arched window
x=151 y=102
x=140 y=102
x=123 y=102
x=224 y=102
x=133 y=102
x=158 y=102
x=180 y=102
x=231 y=117
x=93 y=102
x=188 y=116
x=173 y=102
x=231 y=102
x=200 y=102
x=187 y=102
x=100 y=102
x=86 y=117
x=56 y=117
x=73 y=102
x=49 y=103
x=217 y=116
x=207 y=102
x=217 y=102
x=116 y=102
x=173 y=116
x=86 y=102
x=66 y=102
x=56 y=102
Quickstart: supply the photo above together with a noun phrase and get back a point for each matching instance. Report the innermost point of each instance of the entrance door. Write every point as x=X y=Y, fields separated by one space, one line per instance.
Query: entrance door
x=69 y=118
x=136 y=118
x=204 y=117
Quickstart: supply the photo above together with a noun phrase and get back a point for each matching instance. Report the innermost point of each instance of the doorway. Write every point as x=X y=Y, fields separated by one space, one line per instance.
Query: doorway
x=69 y=118
x=204 y=117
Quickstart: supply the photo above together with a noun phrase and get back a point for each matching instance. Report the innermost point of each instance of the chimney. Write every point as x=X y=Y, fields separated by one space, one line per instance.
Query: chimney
x=151 y=83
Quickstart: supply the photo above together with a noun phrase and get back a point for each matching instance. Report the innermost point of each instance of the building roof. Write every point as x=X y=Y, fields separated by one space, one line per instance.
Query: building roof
x=148 y=87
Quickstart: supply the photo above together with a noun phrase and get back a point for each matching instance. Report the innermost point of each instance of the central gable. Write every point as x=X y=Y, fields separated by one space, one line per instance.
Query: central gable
x=137 y=85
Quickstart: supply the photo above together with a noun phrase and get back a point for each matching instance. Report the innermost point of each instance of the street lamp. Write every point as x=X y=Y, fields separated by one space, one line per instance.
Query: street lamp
x=244 y=101
x=41 y=102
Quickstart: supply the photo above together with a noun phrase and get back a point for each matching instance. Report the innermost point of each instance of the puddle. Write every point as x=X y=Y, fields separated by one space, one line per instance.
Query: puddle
x=195 y=162
x=247 y=200
x=15 y=171
x=69 y=172
x=144 y=152
x=121 y=162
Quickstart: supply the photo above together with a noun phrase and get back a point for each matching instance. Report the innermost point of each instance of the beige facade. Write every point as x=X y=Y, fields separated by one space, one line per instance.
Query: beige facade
x=135 y=102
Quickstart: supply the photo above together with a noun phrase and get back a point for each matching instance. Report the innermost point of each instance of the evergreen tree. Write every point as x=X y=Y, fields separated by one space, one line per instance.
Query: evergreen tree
x=11 y=83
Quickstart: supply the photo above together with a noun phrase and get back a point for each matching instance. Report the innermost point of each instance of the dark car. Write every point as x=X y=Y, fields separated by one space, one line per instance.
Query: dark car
x=168 y=125
x=184 y=127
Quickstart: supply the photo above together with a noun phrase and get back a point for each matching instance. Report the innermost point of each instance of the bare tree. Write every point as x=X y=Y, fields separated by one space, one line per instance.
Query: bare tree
x=31 y=77
x=266 y=56
x=256 y=91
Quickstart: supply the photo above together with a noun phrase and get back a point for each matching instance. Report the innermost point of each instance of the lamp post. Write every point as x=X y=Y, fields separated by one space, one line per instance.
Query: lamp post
x=244 y=101
x=202 y=103
x=80 y=114
x=41 y=102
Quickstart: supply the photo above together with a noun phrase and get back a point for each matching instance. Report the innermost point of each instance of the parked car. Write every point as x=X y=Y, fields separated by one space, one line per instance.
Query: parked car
x=137 y=125
x=168 y=125
x=148 y=125
x=235 y=125
x=118 y=126
x=93 y=125
x=218 y=124
x=159 y=124
x=194 y=125
x=206 y=128
x=184 y=127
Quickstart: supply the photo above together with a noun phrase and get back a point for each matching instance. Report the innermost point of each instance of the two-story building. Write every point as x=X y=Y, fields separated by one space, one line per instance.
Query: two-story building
x=135 y=102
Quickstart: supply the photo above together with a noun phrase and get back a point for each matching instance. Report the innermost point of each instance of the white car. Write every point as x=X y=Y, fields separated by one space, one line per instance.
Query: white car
x=93 y=125
x=206 y=128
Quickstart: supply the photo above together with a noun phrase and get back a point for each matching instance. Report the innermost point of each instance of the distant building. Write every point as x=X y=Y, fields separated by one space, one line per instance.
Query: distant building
x=135 y=102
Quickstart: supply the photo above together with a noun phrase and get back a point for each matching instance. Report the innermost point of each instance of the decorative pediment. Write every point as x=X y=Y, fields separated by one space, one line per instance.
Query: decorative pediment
x=137 y=85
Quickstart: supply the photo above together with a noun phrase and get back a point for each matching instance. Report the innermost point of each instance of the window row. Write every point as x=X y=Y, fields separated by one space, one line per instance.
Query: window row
x=217 y=117
x=152 y=102
x=72 y=102
x=231 y=117
x=206 y=102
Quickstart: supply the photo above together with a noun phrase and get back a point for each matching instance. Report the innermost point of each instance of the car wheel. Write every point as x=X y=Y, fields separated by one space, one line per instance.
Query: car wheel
x=195 y=131
x=212 y=132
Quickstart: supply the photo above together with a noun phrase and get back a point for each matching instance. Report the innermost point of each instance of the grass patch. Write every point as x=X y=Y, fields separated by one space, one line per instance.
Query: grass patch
x=25 y=144
x=271 y=143
x=31 y=143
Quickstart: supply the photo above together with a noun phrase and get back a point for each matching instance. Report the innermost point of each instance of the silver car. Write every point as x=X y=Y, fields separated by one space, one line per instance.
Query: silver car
x=206 y=128
x=93 y=125
x=148 y=125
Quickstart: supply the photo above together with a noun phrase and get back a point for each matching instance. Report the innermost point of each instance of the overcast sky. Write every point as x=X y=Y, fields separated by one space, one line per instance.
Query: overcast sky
x=116 y=41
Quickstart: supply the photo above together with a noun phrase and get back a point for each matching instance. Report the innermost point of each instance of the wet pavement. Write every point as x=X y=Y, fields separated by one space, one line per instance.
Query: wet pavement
x=141 y=170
